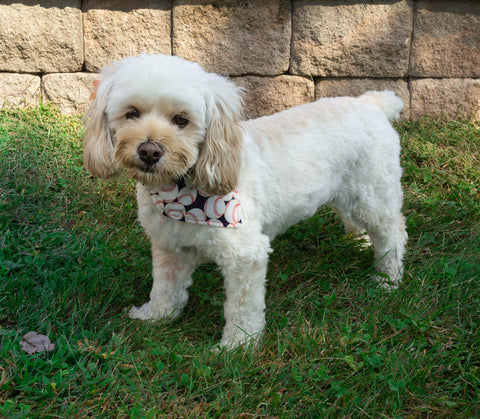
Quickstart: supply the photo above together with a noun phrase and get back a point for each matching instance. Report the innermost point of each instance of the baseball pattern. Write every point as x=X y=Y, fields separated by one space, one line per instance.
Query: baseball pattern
x=182 y=203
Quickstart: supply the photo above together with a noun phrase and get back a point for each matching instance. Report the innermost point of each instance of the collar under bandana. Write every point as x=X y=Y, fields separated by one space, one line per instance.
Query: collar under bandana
x=183 y=203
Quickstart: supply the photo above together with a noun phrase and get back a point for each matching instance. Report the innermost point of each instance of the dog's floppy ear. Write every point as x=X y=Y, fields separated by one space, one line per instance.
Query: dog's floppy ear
x=98 y=144
x=218 y=165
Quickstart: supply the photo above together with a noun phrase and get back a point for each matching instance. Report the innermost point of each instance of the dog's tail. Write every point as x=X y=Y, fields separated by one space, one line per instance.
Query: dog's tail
x=387 y=101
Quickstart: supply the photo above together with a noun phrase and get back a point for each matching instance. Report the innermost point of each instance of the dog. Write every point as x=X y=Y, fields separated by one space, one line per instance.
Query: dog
x=211 y=187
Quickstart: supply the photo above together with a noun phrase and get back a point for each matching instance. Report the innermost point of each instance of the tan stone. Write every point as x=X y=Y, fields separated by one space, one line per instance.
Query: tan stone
x=115 y=29
x=41 y=38
x=449 y=98
x=351 y=38
x=267 y=95
x=356 y=87
x=69 y=92
x=446 y=39
x=234 y=37
x=19 y=89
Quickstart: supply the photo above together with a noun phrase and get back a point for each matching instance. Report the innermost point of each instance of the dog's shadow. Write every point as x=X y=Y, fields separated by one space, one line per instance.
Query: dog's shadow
x=314 y=254
x=320 y=248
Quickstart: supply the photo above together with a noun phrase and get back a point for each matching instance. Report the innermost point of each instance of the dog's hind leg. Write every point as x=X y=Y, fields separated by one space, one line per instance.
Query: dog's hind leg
x=389 y=238
x=171 y=278
x=385 y=225
x=357 y=232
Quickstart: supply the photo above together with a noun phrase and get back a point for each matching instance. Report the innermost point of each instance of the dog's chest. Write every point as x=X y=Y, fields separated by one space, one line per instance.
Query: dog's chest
x=177 y=236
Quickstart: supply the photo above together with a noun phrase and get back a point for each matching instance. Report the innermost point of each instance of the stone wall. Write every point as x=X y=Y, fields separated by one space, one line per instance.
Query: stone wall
x=284 y=52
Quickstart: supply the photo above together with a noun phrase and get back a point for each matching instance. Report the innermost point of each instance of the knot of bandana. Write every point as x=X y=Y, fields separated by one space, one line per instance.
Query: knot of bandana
x=191 y=205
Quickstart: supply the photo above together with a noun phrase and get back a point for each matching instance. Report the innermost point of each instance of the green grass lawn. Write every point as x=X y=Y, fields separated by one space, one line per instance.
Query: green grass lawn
x=72 y=257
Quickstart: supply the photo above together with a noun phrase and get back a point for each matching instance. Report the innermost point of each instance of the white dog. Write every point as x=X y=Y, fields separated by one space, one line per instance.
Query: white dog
x=212 y=188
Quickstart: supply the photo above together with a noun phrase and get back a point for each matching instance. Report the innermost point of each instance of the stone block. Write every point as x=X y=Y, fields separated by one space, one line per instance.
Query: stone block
x=69 y=92
x=446 y=39
x=448 y=98
x=351 y=38
x=115 y=29
x=41 y=37
x=356 y=87
x=234 y=37
x=267 y=95
x=19 y=90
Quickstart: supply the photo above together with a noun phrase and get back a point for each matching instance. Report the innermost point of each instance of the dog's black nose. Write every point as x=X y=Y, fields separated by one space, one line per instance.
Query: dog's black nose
x=150 y=152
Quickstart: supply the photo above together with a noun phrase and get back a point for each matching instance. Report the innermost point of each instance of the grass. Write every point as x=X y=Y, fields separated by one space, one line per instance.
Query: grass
x=72 y=257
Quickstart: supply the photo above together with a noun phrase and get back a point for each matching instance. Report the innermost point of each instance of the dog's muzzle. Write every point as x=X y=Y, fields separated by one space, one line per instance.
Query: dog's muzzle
x=150 y=153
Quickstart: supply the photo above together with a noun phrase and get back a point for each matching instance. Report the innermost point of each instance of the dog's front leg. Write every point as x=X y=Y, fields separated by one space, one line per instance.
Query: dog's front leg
x=245 y=303
x=171 y=278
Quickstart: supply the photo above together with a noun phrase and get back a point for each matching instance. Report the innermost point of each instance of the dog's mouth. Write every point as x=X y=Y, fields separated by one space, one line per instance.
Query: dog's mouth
x=147 y=169
x=146 y=158
x=158 y=173
x=153 y=162
x=148 y=175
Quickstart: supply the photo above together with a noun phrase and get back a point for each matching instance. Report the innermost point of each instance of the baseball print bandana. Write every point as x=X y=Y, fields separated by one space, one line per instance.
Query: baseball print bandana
x=191 y=205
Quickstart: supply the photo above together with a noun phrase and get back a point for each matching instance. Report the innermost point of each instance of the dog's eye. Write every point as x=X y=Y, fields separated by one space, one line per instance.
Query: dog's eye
x=134 y=113
x=180 y=121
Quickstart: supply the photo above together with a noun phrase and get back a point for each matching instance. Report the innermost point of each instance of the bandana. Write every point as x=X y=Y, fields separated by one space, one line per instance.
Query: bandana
x=191 y=205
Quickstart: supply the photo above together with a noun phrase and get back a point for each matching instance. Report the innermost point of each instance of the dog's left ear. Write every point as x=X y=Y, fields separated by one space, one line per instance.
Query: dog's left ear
x=218 y=165
x=98 y=142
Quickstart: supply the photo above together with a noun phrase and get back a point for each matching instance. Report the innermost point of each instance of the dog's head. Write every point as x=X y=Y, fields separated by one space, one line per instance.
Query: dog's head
x=161 y=118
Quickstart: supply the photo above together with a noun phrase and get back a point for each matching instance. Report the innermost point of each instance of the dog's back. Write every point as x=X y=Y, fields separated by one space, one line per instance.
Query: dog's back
x=308 y=155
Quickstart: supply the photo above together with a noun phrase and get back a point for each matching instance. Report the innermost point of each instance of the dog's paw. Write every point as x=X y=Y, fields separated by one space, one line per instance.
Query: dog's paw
x=386 y=283
x=240 y=339
x=149 y=311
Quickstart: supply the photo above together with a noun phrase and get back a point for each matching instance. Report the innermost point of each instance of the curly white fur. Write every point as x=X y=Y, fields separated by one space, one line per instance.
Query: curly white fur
x=341 y=152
